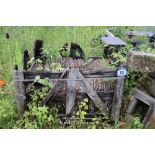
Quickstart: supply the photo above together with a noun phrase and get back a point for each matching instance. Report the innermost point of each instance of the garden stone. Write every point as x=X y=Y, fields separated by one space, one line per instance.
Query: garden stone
x=141 y=61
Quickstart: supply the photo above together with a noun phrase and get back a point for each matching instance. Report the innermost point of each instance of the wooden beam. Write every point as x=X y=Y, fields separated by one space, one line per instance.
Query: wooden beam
x=86 y=74
x=33 y=67
x=71 y=90
x=91 y=93
x=117 y=100
x=53 y=92
x=20 y=91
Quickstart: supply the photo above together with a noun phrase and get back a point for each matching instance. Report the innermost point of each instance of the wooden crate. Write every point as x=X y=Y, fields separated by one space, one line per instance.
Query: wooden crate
x=103 y=87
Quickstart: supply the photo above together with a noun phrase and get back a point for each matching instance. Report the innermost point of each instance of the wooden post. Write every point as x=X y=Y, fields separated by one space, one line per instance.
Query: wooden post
x=71 y=90
x=20 y=91
x=118 y=94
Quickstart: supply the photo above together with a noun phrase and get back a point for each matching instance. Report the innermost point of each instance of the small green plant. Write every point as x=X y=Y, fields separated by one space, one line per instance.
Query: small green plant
x=105 y=64
x=132 y=80
x=39 y=117
x=117 y=59
x=100 y=121
x=44 y=82
x=135 y=123
x=8 y=110
x=37 y=94
x=77 y=121
x=8 y=114
x=56 y=67
x=82 y=120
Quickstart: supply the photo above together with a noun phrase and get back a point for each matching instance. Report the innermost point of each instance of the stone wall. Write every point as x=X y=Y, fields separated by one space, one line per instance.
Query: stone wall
x=141 y=61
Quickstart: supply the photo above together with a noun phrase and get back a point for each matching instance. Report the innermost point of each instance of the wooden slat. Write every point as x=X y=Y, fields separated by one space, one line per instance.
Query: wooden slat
x=71 y=90
x=104 y=73
x=117 y=100
x=91 y=93
x=143 y=96
x=32 y=75
x=20 y=91
x=53 y=92
x=86 y=74
x=33 y=67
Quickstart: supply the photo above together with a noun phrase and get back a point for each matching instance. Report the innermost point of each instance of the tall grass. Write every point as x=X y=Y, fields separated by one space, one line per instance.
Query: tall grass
x=23 y=37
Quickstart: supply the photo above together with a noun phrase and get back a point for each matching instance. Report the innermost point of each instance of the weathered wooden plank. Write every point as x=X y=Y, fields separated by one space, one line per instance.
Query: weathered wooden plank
x=132 y=105
x=86 y=74
x=104 y=73
x=50 y=75
x=152 y=120
x=139 y=95
x=33 y=67
x=91 y=93
x=91 y=107
x=147 y=118
x=143 y=96
x=53 y=92
x=71 y=90
x=117 y=100
x=20 y=91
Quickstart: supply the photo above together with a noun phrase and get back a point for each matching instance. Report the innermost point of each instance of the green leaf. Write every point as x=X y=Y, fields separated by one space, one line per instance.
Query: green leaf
x=83 y=104
x=94 y=119
x=85 y=107
x=85 y=100
x=44 y=82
